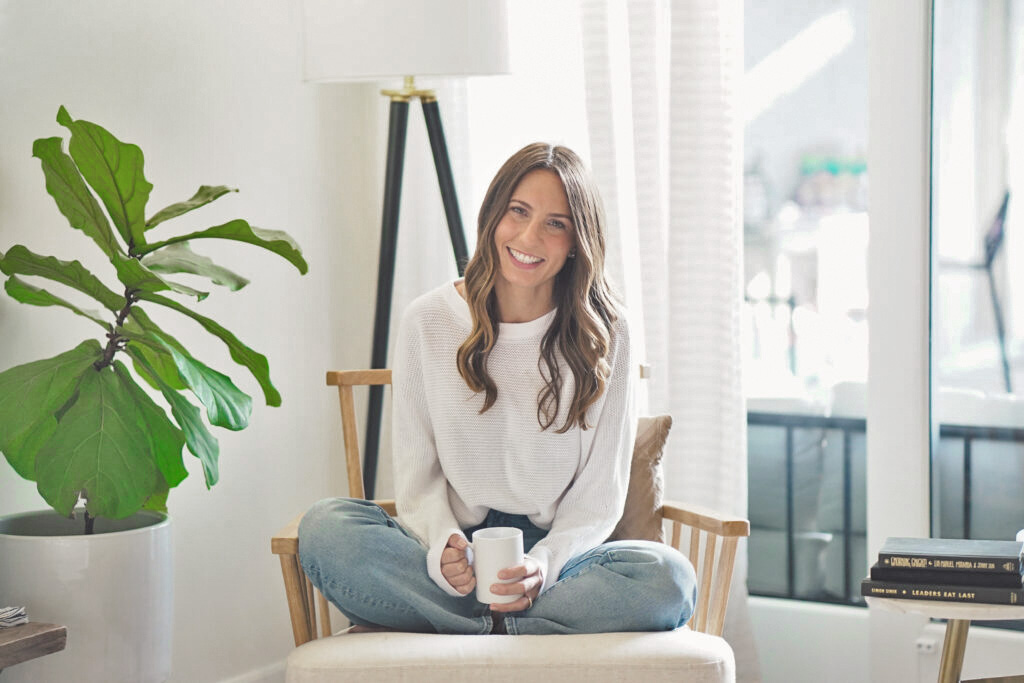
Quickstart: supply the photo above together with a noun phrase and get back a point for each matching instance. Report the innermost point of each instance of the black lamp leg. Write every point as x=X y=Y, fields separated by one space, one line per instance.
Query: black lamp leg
x=389 y=239
x=397 y=128
x=444 y=176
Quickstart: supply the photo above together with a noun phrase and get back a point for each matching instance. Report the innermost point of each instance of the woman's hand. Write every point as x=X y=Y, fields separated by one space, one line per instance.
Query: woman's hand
x=455 y=566
x=530 y=579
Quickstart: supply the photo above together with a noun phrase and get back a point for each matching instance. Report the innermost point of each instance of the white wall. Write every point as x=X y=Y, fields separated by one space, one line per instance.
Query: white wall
x=809 y=642
x=211 y=92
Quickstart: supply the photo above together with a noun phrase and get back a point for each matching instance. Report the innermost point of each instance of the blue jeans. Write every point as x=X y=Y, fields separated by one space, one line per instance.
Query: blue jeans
x=375 y=572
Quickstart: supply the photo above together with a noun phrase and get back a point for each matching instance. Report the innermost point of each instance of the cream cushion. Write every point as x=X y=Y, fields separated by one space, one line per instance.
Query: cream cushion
x=676 y=656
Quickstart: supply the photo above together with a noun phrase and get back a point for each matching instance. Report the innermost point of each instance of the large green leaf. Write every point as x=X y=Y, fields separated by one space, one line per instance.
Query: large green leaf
x=198 y=438
x=65 y=185
x=276 y=241
x=240 y=353
x=21 y=261
x=203 y=196
x=200 y=441
x=179 y=258
x=139 y=320
x=30 y=394
x=226 y=405
x=101 y=451
x=158 y=501
x=19 y=290
x=165 y=439
x=135 y=275
x=155 y=360
x=148 y=340
x=114 y=170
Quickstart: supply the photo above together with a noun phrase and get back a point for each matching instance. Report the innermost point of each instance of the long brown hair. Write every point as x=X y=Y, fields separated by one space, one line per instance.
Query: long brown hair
x=586 y=306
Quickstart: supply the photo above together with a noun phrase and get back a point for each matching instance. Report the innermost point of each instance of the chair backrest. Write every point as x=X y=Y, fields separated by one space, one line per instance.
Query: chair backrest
x=712 y=536
x=345 y=381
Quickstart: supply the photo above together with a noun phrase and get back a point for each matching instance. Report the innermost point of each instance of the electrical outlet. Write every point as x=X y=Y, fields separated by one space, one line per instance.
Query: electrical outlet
x=926 y=646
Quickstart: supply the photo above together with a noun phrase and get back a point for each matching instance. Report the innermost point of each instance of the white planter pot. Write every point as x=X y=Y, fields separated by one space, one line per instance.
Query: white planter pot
x=112 y=589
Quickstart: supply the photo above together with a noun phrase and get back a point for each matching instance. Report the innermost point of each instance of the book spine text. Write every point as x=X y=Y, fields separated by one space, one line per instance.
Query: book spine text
x=974 y=564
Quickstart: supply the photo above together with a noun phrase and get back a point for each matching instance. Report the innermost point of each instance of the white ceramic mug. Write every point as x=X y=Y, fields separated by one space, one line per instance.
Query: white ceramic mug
x=495 y=549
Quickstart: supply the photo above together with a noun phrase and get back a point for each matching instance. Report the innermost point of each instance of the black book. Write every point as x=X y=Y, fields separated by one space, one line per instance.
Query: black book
x=952 y=577
x=919 y=591
x=954 y=554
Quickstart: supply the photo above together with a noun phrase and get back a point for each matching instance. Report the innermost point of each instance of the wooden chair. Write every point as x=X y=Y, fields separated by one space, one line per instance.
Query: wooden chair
x=693 y=653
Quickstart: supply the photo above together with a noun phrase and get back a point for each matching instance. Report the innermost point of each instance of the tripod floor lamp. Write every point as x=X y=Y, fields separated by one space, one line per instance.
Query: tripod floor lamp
x=381 y=40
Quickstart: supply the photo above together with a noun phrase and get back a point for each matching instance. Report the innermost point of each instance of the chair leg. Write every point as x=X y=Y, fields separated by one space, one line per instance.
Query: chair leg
x=325 y=616
x=297 y=606
x=310 y=608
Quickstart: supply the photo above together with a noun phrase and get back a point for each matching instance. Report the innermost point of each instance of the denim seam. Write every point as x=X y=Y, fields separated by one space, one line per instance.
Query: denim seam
x=600 y=559
x=366 y=599
x=562 y=582
x=311 y=570
x=369 y=600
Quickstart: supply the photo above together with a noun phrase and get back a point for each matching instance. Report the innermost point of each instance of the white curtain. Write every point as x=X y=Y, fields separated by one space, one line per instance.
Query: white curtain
x=666 y=147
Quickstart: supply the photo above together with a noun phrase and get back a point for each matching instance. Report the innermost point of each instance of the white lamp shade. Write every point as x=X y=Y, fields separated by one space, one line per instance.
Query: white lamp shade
x=363 y=40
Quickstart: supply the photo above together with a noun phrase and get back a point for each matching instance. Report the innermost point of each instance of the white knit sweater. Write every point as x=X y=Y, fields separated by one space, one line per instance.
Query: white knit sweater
x=452 y=464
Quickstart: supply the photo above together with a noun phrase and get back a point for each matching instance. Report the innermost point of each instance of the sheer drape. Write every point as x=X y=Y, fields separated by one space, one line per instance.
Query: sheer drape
x=661 y=88
x=666 y=146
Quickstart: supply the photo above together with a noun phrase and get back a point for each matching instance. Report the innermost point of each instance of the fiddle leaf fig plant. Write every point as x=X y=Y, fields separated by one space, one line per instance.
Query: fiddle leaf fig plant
x=79 y=424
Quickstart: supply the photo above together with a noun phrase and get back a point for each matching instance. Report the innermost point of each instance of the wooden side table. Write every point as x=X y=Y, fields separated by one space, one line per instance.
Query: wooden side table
x=31 y=640
x=959 y=616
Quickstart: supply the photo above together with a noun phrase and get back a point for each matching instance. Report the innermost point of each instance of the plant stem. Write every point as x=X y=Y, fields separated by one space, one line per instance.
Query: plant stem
x=142 y=251
x=89 y=521
x=117 y=342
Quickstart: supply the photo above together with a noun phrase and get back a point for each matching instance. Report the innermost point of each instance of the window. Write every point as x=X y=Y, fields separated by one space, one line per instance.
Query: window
x=978 y=287
x=806 y=314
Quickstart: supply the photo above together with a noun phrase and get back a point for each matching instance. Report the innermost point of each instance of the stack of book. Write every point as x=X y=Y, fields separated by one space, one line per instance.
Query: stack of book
x=956 y=570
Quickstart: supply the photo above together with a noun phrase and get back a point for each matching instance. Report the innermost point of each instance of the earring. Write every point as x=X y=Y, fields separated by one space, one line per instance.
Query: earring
x=572 y=254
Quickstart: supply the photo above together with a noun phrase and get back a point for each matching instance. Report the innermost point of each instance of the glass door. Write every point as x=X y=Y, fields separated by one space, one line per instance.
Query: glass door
x=977 y=332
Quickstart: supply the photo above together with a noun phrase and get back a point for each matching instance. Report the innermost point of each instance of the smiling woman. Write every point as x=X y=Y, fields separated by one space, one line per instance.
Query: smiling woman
x=531 y=427
x=534 y=240
x=500 y=287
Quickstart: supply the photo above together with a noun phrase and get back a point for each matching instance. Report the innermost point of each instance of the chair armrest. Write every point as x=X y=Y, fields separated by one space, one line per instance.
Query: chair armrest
x=714 y=567
x=389 y=506
x=286 y=541
x=705 y=519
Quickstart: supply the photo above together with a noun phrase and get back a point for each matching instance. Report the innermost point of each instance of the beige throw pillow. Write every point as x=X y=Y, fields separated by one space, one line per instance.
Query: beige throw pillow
x=641 y=518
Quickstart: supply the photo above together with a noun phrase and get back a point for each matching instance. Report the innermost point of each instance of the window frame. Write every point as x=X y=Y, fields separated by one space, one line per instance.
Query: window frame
x=900 y=262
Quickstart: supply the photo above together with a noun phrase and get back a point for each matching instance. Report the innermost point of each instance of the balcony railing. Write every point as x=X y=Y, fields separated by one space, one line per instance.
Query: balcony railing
x=972 y=458
x=851 y=568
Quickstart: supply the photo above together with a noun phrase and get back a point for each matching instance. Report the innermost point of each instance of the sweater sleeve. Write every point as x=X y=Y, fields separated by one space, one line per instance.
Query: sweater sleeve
x=591 y=506
x=421 y=489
